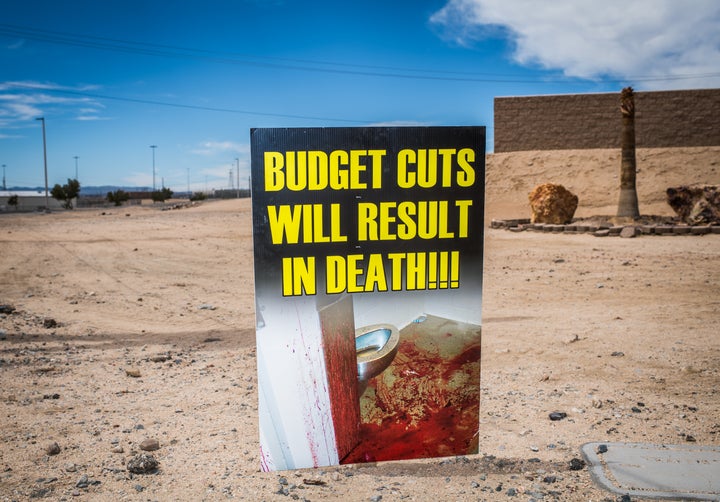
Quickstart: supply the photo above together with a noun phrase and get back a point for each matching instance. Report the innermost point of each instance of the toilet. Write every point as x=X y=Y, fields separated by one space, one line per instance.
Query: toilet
x=375 y=346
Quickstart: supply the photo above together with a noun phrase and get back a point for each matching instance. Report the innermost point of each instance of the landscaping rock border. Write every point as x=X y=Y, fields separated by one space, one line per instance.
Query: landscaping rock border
x=605 y=230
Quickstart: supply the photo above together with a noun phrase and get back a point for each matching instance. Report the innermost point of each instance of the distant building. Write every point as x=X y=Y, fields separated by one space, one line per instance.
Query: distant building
x=28 y=200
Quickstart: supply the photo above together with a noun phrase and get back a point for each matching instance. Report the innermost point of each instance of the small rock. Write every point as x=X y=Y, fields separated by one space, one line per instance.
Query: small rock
x=557 y=415
x=7 y=309
x=52 y=449
x=629 y=232
x=83 y=482
x=602 y=448
x=133 y=373
x=150 y=445
x=512 y=492
x=617 y=354
x=49 y=323
x=577 y=464
x=206 y=306
x=142 y=464
x=314 y=482
x=70 y=467
x=549 y=479
x=117 y=449
x=3 y=334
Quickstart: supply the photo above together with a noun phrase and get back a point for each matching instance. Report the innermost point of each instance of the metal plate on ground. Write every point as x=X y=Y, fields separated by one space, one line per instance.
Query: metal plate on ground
x=654 y=470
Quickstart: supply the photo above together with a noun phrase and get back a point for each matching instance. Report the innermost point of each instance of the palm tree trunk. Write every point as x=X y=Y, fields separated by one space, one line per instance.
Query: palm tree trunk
x=628 y=201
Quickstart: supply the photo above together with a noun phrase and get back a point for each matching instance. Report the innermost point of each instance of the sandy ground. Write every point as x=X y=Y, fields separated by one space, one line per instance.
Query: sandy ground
x=136 y=323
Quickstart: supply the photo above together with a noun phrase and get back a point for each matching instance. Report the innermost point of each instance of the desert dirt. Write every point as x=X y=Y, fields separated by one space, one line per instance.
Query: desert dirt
x=134 y=323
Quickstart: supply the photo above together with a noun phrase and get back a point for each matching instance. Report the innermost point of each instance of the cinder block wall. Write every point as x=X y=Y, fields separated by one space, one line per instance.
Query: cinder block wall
x=580 y=121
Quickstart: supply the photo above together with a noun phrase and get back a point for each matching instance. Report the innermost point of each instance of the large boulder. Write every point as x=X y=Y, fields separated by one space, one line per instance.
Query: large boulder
x=699 y=205
x=552 y=203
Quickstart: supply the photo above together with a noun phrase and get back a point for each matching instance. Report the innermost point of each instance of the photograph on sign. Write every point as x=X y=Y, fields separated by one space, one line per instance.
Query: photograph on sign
x=368 y=248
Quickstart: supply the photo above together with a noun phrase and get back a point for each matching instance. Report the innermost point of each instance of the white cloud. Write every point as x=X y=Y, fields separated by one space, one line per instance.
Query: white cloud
x=18 y=110
x=23 y=101
x=659 y=43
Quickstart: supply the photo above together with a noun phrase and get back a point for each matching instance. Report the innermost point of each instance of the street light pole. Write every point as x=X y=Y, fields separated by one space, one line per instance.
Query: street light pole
x=76 y=167
x=153 y=155
x=47 y=199
x=238 y=176
x=4 y=186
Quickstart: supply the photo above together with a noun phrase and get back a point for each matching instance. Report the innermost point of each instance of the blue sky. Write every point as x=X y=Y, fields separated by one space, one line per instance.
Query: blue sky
x=112 y=78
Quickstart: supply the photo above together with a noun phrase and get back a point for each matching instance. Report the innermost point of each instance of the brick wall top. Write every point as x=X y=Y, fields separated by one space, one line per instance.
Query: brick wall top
x=580 y=121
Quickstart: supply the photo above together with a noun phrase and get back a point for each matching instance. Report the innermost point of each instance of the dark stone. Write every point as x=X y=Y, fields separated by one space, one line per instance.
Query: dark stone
x=49 y=323
x=557 y=415
x=695 y=205
x=7 y=309
x=52 y=449
x=143 y=463
x=577 y=464
x=602 y=448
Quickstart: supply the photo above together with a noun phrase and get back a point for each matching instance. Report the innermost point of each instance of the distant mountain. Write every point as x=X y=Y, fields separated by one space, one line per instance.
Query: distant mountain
x=86 y=190
x=104 y=189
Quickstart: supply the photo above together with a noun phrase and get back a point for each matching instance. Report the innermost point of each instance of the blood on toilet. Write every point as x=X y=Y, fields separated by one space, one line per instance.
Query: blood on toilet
x=427 y=415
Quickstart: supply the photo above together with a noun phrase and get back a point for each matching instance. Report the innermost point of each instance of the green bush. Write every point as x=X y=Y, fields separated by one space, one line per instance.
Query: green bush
x=118 y=197
x=66 y=193
x=161 y=195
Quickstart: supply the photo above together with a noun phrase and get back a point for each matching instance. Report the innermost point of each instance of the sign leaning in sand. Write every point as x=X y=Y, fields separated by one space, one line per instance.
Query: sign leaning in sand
x=368 y=277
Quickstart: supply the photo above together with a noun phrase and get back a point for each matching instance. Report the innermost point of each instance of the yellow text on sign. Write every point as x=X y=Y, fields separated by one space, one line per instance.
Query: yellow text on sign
x=304 y=223
x=427 y=219
x=428 y=168
x=359 y=273
x=318 y=170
